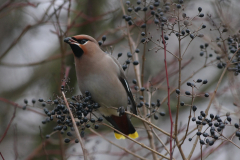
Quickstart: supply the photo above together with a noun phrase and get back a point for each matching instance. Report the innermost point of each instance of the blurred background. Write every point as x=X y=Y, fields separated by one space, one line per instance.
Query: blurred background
x=33 y=60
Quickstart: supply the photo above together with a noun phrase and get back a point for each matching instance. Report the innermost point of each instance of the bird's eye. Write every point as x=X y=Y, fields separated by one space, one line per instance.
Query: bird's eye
x=82 y=41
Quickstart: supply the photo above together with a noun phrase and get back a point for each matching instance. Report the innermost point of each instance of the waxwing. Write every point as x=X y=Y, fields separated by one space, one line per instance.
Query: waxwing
x=102 y=75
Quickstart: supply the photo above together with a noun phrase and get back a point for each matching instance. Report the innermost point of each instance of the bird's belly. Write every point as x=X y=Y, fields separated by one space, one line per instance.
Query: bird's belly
x=105 y=90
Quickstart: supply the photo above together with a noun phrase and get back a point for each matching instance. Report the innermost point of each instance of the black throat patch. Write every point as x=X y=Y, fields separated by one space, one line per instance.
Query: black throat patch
x=78 y=52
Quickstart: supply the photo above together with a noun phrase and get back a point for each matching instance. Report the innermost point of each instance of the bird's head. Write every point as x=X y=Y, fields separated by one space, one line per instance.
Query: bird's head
x=82 y=44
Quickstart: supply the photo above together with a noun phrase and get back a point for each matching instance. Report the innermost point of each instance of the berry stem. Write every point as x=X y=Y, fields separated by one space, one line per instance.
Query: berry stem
x=75 y=127
x=168 y=89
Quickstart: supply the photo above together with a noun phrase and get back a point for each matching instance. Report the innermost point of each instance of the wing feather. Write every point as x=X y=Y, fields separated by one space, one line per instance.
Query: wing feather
x=124 y=82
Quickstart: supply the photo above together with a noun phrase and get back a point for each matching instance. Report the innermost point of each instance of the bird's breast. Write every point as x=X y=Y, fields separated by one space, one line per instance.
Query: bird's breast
x=105 y=89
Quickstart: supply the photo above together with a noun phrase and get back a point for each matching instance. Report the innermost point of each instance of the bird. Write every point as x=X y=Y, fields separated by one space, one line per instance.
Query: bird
x=102 y=75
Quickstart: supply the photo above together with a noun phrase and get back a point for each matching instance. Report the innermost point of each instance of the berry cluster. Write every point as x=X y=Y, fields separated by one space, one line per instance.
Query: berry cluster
x=82 y=107
x=228 y=48
x=193 y=85
x=129 y=58
x=215 y=126
x=233 y=43
x=129 y=55
x=153 y=107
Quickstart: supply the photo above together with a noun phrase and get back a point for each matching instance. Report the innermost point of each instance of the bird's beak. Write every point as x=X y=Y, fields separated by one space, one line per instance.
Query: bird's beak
x=69 y=40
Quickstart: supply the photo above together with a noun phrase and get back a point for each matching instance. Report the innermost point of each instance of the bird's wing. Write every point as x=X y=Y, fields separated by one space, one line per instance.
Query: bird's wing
x=124 y=82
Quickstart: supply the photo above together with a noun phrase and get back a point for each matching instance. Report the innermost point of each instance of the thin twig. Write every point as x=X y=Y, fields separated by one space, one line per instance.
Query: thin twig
x=75 y=127
x=141 y=144
x=9 y=124
x=15 y=142
x=2 y=156
x=168 y=91
x=160 y=141
x=210 y=102
x=50 y=59
x=126 y=150
x=149 y=123
x=43 y=144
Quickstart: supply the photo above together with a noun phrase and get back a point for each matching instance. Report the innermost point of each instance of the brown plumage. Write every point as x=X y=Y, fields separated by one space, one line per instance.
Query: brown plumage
x=102 y=75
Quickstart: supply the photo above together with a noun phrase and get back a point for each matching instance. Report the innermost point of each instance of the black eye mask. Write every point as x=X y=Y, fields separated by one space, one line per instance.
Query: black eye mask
x=78 y=52
x=81 y=41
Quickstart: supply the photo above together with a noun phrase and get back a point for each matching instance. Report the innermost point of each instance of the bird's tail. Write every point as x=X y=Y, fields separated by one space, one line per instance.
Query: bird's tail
x=124 y=125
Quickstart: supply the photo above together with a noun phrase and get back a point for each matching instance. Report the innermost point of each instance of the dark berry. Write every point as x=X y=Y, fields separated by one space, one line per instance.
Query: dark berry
x=178 y=6
x=187 y=93
x=129 y=54
x=191 y=36
x=130 y=23
x=182 y=103
x=156 y=21
x=211 y=143
x=67 y=140
x=236 y=125
x=33 y=101
x=25 y=101
x=205 y=134
x=199 y=80
x=92 y=120
x=205 y=81
x=82 y=134
x=229 y=119
x=96 y=126
x=201 y=15
x=180 y=1
x=137 y=50
x=76 y=140
x=134 y=81
x=202 y=142
x=238 y=134
x=135 y=63
x=177 y=91
x=216 y=124
x=156 y=4
x=69 y=133
x=166 y=37
x=206 y=95
x=199 y=133
x=129 y=9
x=40 y=100
x=143 y=25
x=194 y=108
x=190 y=139
x=151 y=7
x=124 y=67
x=199 y=9
x=143 y=40
x=162 y=113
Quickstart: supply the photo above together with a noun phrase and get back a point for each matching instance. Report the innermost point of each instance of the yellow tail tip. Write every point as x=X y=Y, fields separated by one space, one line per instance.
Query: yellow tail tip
x=119 y=136
x=134 y=135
